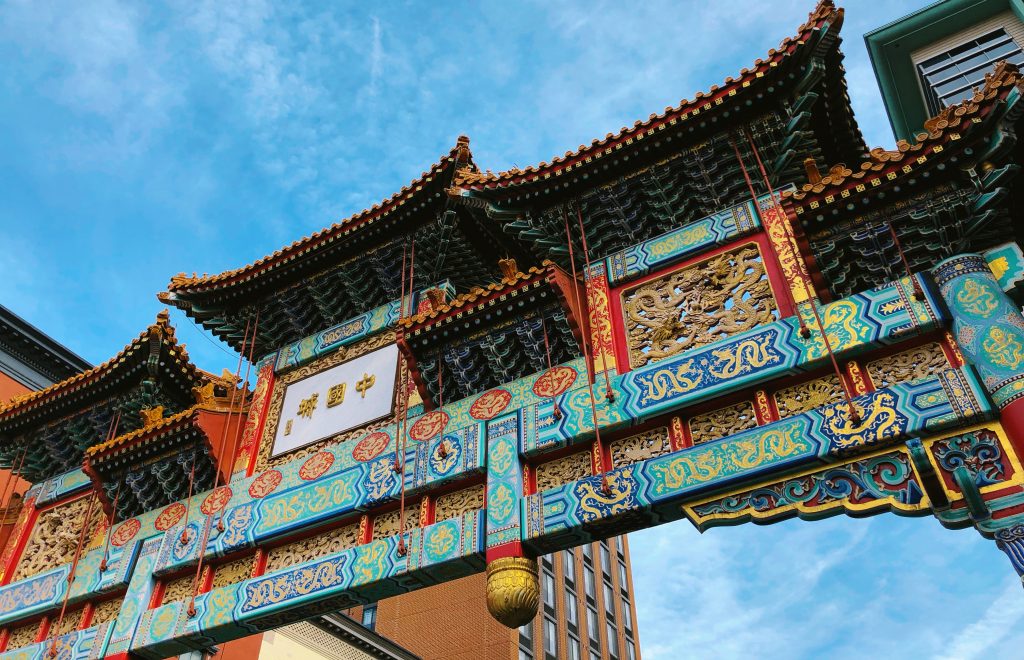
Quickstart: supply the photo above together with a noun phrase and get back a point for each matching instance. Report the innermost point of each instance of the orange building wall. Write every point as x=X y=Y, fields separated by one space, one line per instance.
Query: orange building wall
x=448 y=621
x=10 y=388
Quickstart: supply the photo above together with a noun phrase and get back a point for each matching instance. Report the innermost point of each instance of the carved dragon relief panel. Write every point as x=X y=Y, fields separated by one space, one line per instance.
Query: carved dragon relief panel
x=722 y=422
x=232 y=572
x=329 y=542
x=641 y=446
x=452 y=505
x=697 y=305
x=918 y=362
x=71 y=621
x=55 y=535
x=386 y=524
x=344 y=354
x=23 y=636
x=107 y=611
x=808 y=396
x=181 y=588
x=563 y=470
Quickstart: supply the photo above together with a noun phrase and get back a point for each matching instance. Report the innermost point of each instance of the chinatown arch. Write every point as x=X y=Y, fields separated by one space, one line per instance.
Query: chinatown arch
x=732 y=311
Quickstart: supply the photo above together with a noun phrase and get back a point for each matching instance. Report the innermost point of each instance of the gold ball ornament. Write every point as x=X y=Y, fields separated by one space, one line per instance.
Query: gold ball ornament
x=513 y=590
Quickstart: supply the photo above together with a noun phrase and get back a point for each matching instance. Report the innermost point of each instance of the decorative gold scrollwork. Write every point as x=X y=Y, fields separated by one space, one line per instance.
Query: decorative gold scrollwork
x=918 y=362
x=455 y=504
x=697 y=305
x=808 y=396
x=563 y=470
x=329 y=542
x=641 y=446
x=722 y=422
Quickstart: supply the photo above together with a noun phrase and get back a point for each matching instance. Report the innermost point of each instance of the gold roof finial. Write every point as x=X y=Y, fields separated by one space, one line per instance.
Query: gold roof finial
x=151 y=416
x=508 y=268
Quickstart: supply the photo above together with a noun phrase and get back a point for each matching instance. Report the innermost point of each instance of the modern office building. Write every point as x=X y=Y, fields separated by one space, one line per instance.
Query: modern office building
x=938 y=55
x=586 y=612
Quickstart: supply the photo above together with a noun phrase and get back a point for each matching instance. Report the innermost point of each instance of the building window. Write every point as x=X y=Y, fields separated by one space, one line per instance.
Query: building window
x=571 y=613
x=526 y=635
x=949 y=77
x=370 y=616
x=623 y=578
x=630 y=651
x=572 y=648
x=588 y=553
x=570 y=567
x=593 y=629
x=606 y=559
x=627 y=615
x=595 y=655
x=618 y=546
x=588 y=582
x=609 y=600
x=549 y=591
x=550 y=639
x=613 y=641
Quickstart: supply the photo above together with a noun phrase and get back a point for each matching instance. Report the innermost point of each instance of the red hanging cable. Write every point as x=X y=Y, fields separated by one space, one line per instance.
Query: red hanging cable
x=403 y=376
x=442 y=449
x=188 y=501
x=20 y=462
x=918 y=292
x=605 y=486
x=110 y=526
x=556 y=412
x=805 y=278
x=609 y=394
x=71 y=574
x=245 y=394
x=804 y=331
x=401 y=502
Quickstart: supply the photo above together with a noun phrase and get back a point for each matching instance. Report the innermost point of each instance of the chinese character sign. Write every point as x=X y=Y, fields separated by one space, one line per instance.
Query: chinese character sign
x=341 y=398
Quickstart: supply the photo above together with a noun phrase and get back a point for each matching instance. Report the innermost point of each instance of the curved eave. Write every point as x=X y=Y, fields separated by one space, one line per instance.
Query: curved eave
x=427 y=189
x=960 y=126
x=825 y=20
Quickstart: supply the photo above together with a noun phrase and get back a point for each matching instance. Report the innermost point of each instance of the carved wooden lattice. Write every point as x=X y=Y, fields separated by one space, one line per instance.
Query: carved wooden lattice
x=23 y=636
x=320 y=545
x=918 y=362
x=808 y=396
x=72 y=620
x=722 y=422
x=455 y=504
x=563 y=470
x=641 y=446
x=386 y=524
x=697 y=305
x=106 y=611
x=232 y=572
x=180 y=588
x=54 y=537
x=263 y=460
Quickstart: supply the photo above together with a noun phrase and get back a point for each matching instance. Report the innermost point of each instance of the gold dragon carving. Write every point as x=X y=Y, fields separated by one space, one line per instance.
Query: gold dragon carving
x=453 y=505
x=106 y=611
x=54 y=537
x=232 y=572
x=563 y=470
x=386 y=524
x=313 y=547
x=918 y=362
x=808 y=396
x=71 y=622
x=23 y=636
x=697 y=305
x=641 y=446
x=722 y=422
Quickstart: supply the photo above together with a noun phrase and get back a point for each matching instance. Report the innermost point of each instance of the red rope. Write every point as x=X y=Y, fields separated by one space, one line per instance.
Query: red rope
x=609 y=393
x=854 y=415
x=110 y=526
x=245 y=394
x=20 y=462
x=804 y=331
x=556 y=413
x=71 y=575
x=605 y=486
x=405 y=415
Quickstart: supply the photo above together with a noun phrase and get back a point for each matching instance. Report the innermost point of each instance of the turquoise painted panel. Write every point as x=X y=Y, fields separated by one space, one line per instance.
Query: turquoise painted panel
x=504 y=481
x=987 y=324
x=136 y=599
x=651 y=491
x=76 y=645
x=59 y=487
x=1006 y=262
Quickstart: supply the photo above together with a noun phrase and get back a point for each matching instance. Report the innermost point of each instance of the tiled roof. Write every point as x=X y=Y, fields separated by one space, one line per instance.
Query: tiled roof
x=949 y=125
x=180 y=419
x=161 y=329
x=458 y=156
x=824 y=12
x=467 y=301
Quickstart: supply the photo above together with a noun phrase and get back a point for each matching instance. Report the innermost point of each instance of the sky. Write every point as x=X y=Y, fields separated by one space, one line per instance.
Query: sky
x=139 y=140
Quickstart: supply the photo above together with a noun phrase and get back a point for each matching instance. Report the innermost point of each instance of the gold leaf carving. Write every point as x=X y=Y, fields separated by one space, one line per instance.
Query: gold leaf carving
x=327 y=543
x=106 y=611
x=918 y=362
x=455 y=504
x=697 y=305
x=23 y=636
x=808 y=396
x=54 y=537
x=641 y=446
x=722 y=422
x=232 y=572
x=563 y=470
x=386 y=524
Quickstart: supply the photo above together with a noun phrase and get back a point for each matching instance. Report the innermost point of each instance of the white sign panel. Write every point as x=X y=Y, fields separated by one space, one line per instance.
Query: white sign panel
x=341 y=398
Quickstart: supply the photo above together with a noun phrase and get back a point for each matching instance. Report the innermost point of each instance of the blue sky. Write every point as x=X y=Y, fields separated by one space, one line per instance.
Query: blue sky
x=138 y=140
